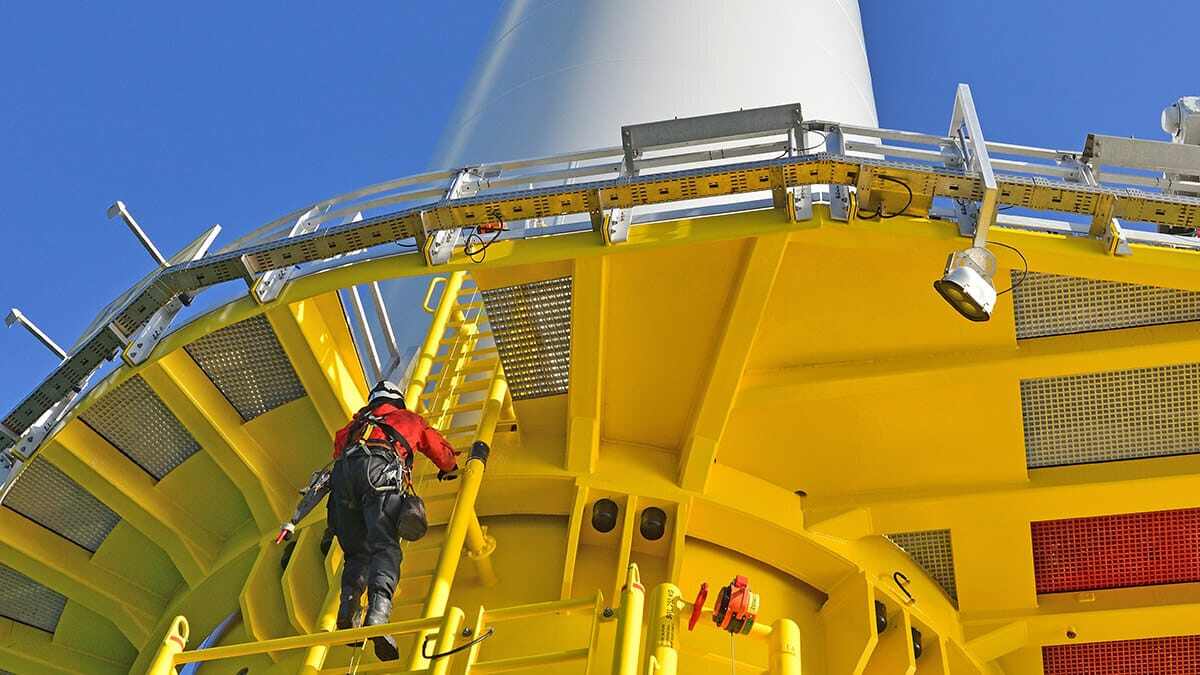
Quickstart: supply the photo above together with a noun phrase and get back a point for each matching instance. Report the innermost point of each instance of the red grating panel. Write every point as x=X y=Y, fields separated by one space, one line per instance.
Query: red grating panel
x=1133 y=549
x=1160 y=656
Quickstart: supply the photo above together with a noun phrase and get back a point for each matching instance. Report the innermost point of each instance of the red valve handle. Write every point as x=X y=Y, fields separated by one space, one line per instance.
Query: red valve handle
x=698 y=606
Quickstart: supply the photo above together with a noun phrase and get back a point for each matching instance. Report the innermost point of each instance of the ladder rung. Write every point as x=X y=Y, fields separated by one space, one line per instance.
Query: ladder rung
x=482 y=351
x=466 y=407
x=474 y=385
x=457 y=338
x=459 y=431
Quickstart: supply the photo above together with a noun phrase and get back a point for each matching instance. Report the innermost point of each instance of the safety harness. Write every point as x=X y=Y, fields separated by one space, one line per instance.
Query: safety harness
x=360 y=432
x=411 y=520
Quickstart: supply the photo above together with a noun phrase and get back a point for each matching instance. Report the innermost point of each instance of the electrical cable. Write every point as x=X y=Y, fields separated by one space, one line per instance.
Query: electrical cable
x=1024 y=262
x=824 y=136
x=483 y=244
x=885 y=216
x=466 y=645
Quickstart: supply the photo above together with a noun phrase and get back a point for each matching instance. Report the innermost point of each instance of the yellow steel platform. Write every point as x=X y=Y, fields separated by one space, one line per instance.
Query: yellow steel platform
x=793 y=395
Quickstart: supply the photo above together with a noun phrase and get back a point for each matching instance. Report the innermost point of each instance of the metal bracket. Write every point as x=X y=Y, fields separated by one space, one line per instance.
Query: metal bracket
x=268 y=287
x=34 y=435
x=862 y=188
x=976 y=219
x=705 y=129
x=616 y=225
x=118 y=209
x=438 y=246
x=142 y=344
x=802 y=203
x=1104 y=228
x=839 y=195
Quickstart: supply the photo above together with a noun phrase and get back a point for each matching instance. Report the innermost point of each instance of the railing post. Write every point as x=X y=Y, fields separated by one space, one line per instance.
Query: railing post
x=627 y=646
x=452 y=549
x=314 y=657
x=784 y=648
x=665 y=603
x=445 y=640
x=172 y=644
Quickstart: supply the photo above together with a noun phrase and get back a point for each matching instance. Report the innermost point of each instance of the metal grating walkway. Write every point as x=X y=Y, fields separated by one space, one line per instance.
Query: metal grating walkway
x=248 y=365
x=1132 y=549
x=26 y=601
x=1118 y=415
x=135 y=421
x=931 y=550
x=48 y=497
x=1051 y=304
x=532 y=328
x=1177 y=655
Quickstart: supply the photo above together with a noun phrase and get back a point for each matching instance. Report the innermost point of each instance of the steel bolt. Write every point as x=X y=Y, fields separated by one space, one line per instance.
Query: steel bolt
x=466 y=632
x=608 y=612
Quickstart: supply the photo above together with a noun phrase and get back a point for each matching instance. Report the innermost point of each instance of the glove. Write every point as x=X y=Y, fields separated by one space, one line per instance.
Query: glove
x=444 y=475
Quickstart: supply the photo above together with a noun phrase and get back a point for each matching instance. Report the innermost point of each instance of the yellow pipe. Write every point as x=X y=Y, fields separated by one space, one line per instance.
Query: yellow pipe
x=451 y=554
x=173 y=643
x=784 y=648
x=299 y=641
x=627 y=646
x=666 y=601
x=445 y=640
x=437 y=327
x=314 y=658
x=759 y=631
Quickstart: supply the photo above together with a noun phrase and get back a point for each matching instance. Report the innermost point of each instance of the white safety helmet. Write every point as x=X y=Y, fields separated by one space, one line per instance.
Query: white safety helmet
x=387 y=391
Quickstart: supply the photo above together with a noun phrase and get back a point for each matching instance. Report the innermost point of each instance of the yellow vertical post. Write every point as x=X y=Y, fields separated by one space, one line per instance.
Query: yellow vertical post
x=433 y=338
x=662 y=640
x=445 y=640
x=784 y=648
x=314 y=657
x=462 y=523
x=627 y=646
x=172 y=644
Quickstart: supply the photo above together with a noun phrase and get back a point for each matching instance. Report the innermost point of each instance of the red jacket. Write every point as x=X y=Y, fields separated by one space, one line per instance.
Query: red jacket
x=420 y=436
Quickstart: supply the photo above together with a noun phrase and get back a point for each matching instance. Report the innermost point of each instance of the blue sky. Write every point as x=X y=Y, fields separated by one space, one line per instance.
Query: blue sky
x=204 y=113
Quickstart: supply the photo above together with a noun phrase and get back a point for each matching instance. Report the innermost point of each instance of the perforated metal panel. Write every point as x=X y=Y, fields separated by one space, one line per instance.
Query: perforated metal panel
x=1132 y=549
x=249 y=366
x=1103 y=417
x=1050 y=304
x=26 y=601
x=45 y=495
x=1178 y=655
x=932 y=551
x=532 y=328
x=138 y=423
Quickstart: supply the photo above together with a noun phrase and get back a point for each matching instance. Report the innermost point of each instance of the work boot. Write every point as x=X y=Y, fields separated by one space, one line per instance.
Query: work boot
x=350 y=610
x=379 y=611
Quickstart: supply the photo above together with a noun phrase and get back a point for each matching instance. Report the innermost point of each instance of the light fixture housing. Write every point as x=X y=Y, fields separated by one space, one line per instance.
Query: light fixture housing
x=967 y=283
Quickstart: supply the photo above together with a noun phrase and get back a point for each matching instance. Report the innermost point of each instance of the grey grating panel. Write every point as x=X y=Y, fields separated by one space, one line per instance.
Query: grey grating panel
x=531 y=324
x=138 y=423
x=1103 y=417
x=48 y=497
x=931 y=551
x=26 y=601
x=1049 y=304
x=249 y=366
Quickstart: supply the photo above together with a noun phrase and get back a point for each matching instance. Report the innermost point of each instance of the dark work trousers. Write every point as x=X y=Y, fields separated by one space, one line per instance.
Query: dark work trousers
x=364 y=520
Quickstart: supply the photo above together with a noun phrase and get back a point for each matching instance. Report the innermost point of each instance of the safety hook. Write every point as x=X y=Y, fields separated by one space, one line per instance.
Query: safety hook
x=902 y=583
